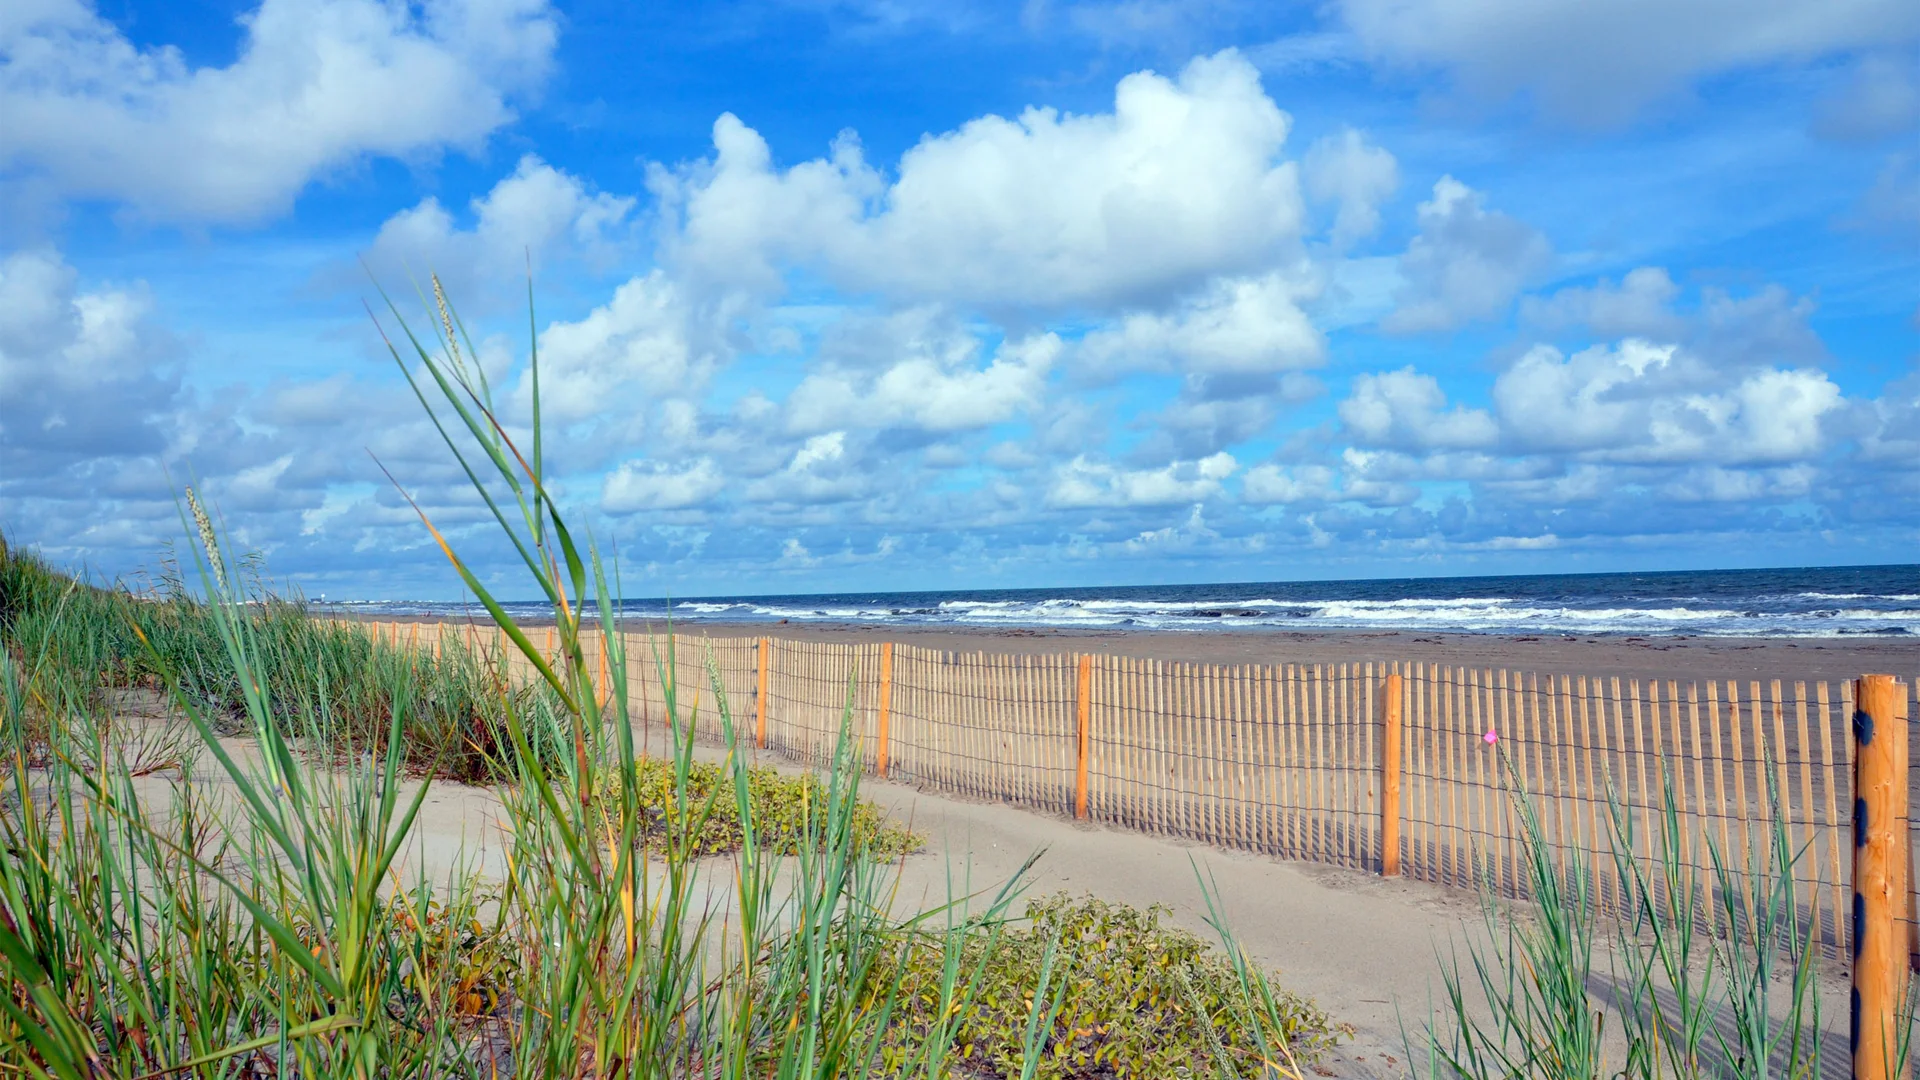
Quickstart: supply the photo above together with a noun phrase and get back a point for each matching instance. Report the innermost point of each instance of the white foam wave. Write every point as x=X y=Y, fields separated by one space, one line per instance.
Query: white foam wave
x=1809 y=613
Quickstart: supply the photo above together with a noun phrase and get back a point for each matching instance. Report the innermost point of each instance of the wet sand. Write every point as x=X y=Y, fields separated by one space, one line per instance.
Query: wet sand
x=1651 y=657
x=1679 y=658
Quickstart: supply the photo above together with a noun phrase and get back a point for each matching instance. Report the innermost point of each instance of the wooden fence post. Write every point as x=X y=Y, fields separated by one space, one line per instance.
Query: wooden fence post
x=1390 y=776
x=760 y=721
x=1879 y=813
x=1086 y=719
x=886 y=704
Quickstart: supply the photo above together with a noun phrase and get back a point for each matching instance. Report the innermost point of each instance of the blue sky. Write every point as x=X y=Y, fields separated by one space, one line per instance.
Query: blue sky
x=899 y=295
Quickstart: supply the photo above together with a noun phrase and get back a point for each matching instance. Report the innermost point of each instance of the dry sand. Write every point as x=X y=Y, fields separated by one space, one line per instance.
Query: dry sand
x=1652 y=657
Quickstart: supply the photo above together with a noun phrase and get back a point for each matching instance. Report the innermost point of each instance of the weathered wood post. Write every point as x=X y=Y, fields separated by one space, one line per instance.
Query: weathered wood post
x=1879 y=818
x=886 y=705
x=1085 y=698
x=1390 y=775
x=760 y=721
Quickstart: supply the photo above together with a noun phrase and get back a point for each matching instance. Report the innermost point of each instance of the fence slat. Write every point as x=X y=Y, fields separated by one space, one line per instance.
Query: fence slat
x=1374 y=764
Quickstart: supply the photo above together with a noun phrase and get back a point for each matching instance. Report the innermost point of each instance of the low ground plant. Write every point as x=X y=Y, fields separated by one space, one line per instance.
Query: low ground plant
x=1134 y=998
x=784 y=809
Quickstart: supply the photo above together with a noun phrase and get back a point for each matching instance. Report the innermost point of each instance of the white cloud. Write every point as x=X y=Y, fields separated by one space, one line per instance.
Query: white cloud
x=1892 y=434
x=1377 y=478
x=1640 y=305
x=654 y=485
x=1182 y=181
x=536 y=211
x=795 y=553
x=935 y=391
x=1184 y=536
x=1355 y=175
x=645 y=344
x=1599 y=61
x=1275 y=484
x=1236 y=325
x=1214 y=412
x=820 y=471
x=737 y=221
x=1083 y=482
x=1641 y=402
x=1466 y=264
x=317 y=85
x=78 y=370
x=1543 y=542
x=1711 y=483
x=1407 y=409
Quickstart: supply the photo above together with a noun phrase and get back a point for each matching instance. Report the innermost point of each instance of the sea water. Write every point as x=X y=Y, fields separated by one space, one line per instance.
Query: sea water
x=1815 y=602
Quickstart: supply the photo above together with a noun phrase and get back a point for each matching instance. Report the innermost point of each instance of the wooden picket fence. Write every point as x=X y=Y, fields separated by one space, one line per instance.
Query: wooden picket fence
x=1401 y=768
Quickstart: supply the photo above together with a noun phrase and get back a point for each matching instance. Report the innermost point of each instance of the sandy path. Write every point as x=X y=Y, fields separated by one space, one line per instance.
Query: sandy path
x=1353 y=942
x=1365 y=948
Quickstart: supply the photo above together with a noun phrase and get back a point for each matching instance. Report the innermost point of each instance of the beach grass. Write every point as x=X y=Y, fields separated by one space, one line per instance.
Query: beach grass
x=1706 y=971
x=225 y=886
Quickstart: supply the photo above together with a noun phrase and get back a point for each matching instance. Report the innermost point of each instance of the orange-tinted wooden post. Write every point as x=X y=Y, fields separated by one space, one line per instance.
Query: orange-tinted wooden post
x=760 y=721
x=1879 y=818
x=1390 y=775
x=886 y=705
x=1086 y=721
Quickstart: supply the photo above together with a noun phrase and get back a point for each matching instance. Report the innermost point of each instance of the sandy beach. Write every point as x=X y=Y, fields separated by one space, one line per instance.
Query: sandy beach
x=1681 y=658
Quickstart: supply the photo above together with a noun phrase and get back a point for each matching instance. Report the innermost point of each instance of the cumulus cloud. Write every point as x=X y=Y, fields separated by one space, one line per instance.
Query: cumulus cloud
x=1216 y=411
x=1356 y=176
x=538 y=211
x=936 y=392
x=1408 y=409
x=1084 y=482
x=1728 y=411
x=1270 y=483
x=1235 y=326
x=657 y=486
x=822 y=470
x=650 y=341
x=1638 y=401
x=1181 y=182
x=1466 y=264
x=80 y=371
x=1600 y=61
x=317 y=85
x=1638 y=305
x=1891 y=433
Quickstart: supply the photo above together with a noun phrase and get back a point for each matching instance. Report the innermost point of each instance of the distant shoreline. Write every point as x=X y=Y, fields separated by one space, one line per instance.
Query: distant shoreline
x=1676 y=657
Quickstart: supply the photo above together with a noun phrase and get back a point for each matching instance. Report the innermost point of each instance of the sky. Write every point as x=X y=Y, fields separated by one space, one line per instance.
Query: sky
x=890 y=294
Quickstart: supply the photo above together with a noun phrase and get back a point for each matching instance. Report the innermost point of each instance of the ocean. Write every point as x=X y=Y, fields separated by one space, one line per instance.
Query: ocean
x=1812 y=602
